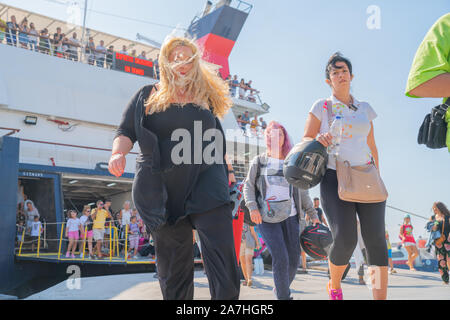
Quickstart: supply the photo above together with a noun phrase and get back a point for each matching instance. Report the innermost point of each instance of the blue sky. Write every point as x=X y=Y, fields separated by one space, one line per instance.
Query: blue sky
x=284 y=47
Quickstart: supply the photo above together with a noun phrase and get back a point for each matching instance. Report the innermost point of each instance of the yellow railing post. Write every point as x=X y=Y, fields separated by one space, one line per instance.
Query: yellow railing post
x=60 y=240
x=126 y=242
x=117 y=242
x=110 y=241
x=21 y=242
x=84 y=242
x=39 y=241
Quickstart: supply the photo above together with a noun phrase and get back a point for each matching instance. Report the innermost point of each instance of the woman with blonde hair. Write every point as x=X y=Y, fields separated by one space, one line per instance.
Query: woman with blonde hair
x=86 y=224
x=181 y=181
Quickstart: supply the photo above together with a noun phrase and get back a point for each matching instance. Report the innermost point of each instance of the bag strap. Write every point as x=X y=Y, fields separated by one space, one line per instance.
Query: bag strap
x=329 y=106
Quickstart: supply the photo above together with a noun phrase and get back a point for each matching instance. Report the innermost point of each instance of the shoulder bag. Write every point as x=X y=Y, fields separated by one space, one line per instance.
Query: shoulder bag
x=439 y=241
x=433 y=131
x=358 y=183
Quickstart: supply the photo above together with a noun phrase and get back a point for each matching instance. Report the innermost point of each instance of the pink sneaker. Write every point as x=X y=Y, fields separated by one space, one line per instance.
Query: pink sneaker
x=67 y=255
x=334 y=294
x=72 y=256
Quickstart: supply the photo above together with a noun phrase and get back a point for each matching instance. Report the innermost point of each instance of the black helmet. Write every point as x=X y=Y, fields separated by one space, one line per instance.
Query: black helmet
x=316 y=241
x=305 y=165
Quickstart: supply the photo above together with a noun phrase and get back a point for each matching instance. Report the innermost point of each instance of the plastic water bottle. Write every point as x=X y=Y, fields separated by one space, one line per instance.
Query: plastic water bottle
x=336 y=132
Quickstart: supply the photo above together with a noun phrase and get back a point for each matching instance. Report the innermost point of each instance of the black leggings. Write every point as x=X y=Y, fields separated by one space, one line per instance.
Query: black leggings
x=175 y=251
x=341 y=216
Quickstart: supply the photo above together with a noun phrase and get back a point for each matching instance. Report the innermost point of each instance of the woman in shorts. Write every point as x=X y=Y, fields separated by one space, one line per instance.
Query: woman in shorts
x=408 y=241
x=86 y=226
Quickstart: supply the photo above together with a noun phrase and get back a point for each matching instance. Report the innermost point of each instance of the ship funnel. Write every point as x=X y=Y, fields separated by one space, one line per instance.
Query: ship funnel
x=216 y=31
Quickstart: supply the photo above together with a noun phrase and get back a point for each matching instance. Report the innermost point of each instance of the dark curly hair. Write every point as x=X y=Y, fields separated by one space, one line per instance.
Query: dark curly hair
x=337 y=57
x=442 y=208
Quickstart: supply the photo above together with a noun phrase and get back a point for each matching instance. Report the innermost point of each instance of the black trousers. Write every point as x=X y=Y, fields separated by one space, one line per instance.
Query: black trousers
x=341 y=216
x=174 y=254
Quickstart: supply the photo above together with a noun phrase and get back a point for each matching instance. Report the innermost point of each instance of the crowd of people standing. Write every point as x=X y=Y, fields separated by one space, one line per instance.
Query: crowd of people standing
x=91 y=227
x=25 y=35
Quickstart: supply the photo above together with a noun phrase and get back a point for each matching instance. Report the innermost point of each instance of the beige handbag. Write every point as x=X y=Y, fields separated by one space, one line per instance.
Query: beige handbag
x=358 y=183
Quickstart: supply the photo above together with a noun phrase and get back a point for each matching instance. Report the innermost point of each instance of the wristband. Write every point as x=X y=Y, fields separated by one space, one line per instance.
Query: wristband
x=230 y=171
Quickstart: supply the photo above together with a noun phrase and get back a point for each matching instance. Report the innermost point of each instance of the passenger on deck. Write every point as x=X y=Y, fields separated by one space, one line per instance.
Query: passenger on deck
x=44 y=41
x=74 y=43
x=11 y=31
x=245 y=119
x=263 y=124
x=124 y=50
x=90 y=51
x=86 y=222
x=254 y=126
x=31 y=212
x=23 y=33
x=109 y=57
x=73 y=229
x=242 y=89
x=33 y=37
x=133 y=237
x=234 y=85
x=57 y=37
x=99 y=216
x=36 y=229
x=142 y=56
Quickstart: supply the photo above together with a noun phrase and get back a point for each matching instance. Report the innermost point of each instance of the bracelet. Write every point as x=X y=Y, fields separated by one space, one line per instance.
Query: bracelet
x=230 y=171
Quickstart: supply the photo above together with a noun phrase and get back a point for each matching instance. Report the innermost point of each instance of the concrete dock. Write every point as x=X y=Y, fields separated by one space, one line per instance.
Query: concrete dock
x=404 y=285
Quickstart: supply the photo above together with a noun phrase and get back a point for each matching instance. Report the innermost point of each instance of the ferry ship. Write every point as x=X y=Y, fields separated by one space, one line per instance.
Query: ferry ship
x=58 y=118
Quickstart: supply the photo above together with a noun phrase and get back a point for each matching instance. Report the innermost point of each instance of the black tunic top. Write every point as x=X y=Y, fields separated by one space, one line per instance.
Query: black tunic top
x=193 y=186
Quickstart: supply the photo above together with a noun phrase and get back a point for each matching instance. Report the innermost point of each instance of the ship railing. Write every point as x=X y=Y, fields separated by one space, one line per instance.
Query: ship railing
x=115 y=243
x=11 y=131
x=77 y=52
x=244 y=6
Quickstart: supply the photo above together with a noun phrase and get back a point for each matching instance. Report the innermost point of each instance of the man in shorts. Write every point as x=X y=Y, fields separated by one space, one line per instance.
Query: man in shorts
x=99 y=216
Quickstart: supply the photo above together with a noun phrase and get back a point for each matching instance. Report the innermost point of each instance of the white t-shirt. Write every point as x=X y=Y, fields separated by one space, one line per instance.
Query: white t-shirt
x=353 y=146
x=277 y=187
x=73 y=224
x=83 y=219
x=35 y=227
x=102 y=51
x=33 y=35
x=75 y=41
x=126 y=216
x=31 y=214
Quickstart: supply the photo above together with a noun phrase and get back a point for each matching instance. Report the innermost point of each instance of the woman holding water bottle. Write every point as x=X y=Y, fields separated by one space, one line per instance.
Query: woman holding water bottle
x=354 y=141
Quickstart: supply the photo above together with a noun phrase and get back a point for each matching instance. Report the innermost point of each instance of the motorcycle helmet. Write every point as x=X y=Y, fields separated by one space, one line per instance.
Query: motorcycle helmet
x=316 y=241
x=305 y=164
